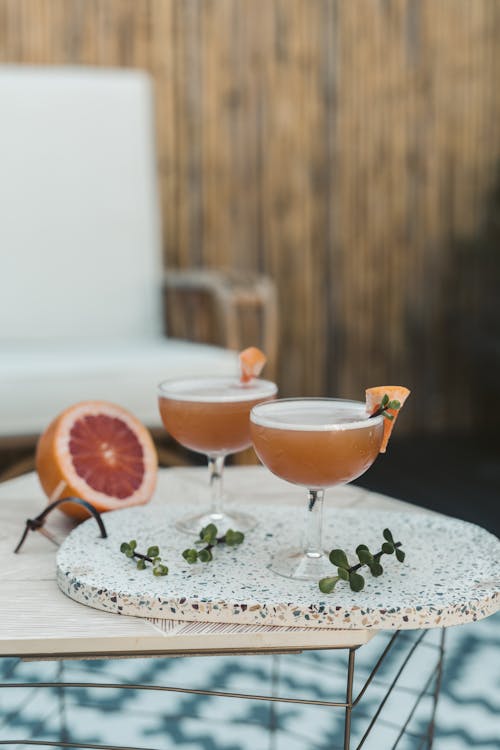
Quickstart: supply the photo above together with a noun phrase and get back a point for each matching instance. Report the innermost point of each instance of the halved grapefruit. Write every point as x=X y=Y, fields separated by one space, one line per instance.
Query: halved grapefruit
x=100 y=452
x=252 y=361
x=388 y=400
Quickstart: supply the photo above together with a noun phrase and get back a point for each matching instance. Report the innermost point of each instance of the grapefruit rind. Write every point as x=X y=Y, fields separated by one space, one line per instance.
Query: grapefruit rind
x=56 y=469
x=374 y=398
x=252 y=361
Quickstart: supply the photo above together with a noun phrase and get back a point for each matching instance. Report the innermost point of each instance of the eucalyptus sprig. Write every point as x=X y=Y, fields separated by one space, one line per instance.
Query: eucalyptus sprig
x=346 y=572
x=209 y=538
x=386 y=404
x=152 y=556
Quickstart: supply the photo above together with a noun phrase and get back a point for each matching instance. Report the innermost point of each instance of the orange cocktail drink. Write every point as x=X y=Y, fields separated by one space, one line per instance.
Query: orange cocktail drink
x=212 y=426
x=317 y=443
x=211 y=416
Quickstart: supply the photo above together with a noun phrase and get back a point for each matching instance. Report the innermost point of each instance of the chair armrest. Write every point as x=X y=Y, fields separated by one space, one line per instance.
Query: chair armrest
x=233 y=309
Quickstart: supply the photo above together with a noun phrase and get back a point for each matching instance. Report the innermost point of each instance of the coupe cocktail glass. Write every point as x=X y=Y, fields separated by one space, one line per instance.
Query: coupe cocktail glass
x=316 y=443
x=211 y=416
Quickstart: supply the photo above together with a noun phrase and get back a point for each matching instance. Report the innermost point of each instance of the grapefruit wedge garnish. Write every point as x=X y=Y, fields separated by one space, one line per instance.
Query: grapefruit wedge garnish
x=252 y=361
x=99 y=452
x=386 y=400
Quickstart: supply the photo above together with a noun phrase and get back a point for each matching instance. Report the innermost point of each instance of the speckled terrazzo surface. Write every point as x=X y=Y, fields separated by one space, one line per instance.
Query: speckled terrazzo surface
x=451 y=574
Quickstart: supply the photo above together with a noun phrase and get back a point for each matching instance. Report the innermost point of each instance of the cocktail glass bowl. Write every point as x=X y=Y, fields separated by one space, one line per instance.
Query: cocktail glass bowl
x=210 y=415
x=316 y=443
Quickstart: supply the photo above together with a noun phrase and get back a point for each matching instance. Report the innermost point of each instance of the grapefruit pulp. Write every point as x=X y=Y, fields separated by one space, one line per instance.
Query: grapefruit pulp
x=99 y=452
x=374 y=398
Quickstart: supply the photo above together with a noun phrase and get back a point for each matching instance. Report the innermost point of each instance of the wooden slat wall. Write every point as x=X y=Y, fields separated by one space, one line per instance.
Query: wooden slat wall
x=349 y=148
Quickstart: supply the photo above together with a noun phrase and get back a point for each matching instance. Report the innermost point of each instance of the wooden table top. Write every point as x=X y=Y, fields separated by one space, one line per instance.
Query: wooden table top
x=38 y=621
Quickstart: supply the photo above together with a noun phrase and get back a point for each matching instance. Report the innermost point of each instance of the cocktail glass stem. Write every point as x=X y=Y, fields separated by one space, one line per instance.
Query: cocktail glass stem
x=309 y=561
x=216 y=472
x=223 y=519
x=314 y=524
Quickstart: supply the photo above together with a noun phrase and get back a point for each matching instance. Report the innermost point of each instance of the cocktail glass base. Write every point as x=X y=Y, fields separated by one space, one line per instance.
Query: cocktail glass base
x=300 y=565
x=224 y=521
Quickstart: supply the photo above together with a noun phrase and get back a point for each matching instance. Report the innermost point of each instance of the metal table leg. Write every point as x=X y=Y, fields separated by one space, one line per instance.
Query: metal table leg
x=348 y=705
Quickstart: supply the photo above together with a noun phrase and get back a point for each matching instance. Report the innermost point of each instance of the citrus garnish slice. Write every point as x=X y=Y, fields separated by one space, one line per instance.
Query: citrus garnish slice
x=386 y=400
x=252 y=361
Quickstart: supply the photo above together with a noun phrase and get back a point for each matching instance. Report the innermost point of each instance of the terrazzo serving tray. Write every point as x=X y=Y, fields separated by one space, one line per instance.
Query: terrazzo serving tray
x=451 y=573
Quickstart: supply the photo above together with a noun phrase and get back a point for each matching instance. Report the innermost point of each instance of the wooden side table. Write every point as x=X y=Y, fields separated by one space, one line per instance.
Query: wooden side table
x=38 y=622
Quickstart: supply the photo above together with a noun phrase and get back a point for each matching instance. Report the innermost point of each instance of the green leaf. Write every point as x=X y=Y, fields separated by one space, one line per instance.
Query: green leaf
x=233 y=538
x=124 y=547
x=153 y=551
x=160 y=570
x=141 y=564
x=343 y=573
x=132 y=544
x=400 y=555
x=356 y=582
x=394 y=405
x=209 y=533
x=205 y=555
x=326 y=585
x=156 y=560
x=385 y=400
x=376 y=569
x=388 y=416
x=338 y=558
x=129 y=552
x=388 y=548
x=365 y=556
x=388 y=536
x=190 y=555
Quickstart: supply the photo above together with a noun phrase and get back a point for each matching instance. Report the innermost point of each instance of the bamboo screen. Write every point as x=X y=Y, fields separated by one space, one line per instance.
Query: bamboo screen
x=348 y=148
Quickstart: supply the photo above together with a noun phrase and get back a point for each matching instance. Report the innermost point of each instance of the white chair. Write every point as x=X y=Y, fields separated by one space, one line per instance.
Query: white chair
x=81 y=275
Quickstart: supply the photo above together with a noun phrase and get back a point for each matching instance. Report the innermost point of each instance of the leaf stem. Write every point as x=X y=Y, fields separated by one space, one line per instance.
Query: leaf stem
x=143 y=557
x=219 y=540
x=208 y=537
x=376 y=557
